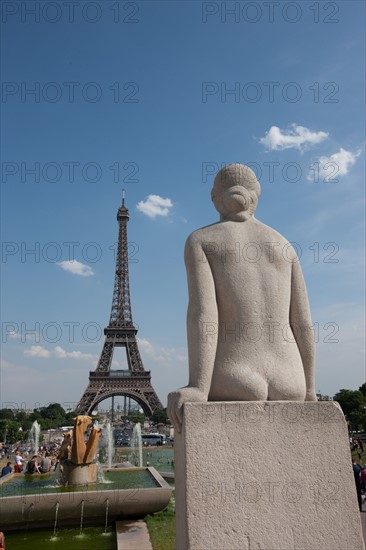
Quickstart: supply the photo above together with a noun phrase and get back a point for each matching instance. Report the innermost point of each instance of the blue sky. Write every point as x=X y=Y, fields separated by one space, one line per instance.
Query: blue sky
x=154 y=97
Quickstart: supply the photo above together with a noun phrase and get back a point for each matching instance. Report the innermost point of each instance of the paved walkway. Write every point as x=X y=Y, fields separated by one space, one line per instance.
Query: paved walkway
x=132 y=535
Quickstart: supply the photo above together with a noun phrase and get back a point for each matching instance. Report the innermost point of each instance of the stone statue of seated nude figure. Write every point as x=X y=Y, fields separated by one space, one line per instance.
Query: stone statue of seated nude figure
x=249 y=328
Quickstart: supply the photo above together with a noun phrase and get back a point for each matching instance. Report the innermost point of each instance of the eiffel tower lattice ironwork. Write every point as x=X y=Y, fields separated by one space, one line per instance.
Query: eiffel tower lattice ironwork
x=121 y=332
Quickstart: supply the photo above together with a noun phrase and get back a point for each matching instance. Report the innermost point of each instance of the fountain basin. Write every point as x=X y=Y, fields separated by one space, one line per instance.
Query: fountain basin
x=26 y=511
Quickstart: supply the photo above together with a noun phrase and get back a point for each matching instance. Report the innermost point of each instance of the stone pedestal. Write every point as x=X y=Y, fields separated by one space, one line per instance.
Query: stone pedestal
x=265 y=476
x=81 y=474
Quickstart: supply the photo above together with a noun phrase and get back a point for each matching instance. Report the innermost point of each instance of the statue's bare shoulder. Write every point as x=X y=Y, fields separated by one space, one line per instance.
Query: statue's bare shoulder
x=225 y=228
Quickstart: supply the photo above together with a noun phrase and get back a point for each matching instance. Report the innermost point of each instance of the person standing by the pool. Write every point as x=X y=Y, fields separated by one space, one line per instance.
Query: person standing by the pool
x=357 y=474
x=18 y=462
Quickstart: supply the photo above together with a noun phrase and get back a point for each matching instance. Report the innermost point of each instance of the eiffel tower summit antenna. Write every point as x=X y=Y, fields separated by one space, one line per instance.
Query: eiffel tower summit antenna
x=134 y=382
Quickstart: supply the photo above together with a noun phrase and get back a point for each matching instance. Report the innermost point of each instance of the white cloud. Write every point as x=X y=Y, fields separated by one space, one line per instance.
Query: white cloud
x=79 y=355
x=77 y=268
x=155 y=206
x=163 y=356
x=60 y=353
x=146 y=346
x=37 y=351
x=297 y=137
x=334 y=166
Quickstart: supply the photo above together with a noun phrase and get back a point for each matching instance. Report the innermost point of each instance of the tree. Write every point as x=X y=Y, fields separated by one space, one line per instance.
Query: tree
x=24 y=419
x=353 y=403
x=136 y=417
x=350 y=400
x=26 y=425
x=160 y=416
x=6 y=414
x=3 y=429
x=69 y=418
x=20 y=416
x=52 y=411
x=35 y=416
x=9 y=430
x=51 y=416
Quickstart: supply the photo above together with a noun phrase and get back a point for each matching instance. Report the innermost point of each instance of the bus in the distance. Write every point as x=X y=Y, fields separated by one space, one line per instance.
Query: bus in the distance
x=153 y=439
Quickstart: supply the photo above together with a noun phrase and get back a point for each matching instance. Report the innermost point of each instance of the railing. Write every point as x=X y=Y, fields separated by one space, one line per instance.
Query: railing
x=119 y=374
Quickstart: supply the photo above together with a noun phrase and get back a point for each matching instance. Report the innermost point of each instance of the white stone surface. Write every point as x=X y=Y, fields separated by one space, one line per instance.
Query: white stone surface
x=132 y=535
x=265 y=476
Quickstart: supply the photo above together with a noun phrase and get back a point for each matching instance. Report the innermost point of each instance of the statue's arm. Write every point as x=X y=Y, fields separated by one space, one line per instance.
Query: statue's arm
x=301 y=325
x=202 y=330
x=202 y=317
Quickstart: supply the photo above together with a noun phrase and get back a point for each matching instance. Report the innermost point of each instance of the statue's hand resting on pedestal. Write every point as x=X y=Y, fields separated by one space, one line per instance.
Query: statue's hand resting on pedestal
x=311 y=395
x=176 y=400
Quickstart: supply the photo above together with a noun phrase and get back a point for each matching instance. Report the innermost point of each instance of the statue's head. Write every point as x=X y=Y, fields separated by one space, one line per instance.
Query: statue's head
x=235 y=192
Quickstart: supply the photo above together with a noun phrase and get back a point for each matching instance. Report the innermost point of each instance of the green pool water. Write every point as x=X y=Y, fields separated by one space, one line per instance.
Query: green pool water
x=93 y=538
x=29 y=485
x=161 y=458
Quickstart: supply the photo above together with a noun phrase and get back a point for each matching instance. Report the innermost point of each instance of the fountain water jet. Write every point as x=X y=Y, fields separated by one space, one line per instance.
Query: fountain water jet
x=106 y=515
x=56 y=516
x=81 y=517
x=108 y=431
x=136 y=444
x=33 y=437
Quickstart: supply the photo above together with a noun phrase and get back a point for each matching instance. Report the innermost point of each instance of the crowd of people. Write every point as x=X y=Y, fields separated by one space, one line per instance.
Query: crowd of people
x=41 y=463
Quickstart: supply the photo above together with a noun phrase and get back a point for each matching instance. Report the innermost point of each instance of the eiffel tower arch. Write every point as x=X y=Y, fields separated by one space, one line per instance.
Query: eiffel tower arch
x=121 y=332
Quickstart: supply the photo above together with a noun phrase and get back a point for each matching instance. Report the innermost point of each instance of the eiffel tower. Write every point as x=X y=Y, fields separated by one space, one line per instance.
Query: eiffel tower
x=121 y=332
